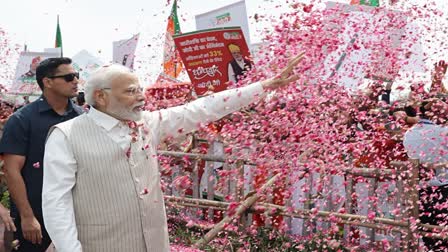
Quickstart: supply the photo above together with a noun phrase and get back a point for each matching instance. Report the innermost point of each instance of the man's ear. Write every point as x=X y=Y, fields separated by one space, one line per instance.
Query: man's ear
x=100 y=98
x=47 y=83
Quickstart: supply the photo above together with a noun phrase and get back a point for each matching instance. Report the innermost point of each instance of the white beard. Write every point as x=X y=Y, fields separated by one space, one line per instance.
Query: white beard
x=124 y=113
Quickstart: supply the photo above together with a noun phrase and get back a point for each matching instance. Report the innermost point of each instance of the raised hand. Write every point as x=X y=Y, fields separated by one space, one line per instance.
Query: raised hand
x=284 y=77
x=439 y=71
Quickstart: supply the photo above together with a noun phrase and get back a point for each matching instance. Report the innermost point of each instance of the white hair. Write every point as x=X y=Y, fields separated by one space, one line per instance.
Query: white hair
x=102 y=78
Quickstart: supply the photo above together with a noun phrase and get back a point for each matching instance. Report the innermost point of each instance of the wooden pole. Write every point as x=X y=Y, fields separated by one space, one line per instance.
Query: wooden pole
x=349 y=219
x=348 y=204
x=305 y=212
x=246 y=204
x=411 y=203
x=365 y=172
x=193 y=156
x=413 y=198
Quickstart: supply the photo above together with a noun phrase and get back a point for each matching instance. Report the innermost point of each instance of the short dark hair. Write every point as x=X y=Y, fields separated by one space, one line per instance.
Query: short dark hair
x=410 y=111
x=48 y=67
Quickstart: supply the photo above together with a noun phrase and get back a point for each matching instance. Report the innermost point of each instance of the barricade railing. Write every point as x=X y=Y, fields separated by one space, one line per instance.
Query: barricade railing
x=404 y=174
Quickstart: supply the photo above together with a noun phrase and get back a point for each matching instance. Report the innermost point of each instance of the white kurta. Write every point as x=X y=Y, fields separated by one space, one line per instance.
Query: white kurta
x=62 y=166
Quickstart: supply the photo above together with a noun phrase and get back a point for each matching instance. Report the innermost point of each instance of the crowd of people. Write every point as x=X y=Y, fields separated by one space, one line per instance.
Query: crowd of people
x=414 y=128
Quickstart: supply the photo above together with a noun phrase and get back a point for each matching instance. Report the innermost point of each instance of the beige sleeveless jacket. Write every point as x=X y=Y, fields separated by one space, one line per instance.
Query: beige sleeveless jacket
x=117 y=199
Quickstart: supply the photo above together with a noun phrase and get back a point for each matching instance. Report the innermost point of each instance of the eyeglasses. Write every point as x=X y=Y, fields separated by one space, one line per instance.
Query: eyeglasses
x=67 y=77
x=132 y=91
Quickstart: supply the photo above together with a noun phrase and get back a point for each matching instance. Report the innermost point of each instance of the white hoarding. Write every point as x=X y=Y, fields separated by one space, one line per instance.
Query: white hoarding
x=231 y=15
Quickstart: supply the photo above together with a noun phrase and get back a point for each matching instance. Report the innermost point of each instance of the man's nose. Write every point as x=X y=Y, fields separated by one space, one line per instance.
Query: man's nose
x=76 y=80
x=141 y=96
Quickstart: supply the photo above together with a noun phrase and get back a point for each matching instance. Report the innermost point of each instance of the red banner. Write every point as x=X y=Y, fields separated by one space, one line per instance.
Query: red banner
x=214 y=57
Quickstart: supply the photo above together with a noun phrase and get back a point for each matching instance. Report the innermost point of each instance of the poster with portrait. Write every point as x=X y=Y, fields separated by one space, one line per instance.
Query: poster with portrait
x=25 y=77
x=124 y=51
x=214 y=57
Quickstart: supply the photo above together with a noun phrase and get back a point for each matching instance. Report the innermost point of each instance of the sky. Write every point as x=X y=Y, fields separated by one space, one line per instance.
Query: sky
x=94 y=24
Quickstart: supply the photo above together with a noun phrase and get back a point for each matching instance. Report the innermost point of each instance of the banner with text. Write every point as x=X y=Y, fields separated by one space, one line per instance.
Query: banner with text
x=234 y=14
x=214 y=57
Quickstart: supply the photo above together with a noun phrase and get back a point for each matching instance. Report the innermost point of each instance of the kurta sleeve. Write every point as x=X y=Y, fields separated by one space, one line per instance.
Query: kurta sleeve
x=181 y=120
x=57 y=202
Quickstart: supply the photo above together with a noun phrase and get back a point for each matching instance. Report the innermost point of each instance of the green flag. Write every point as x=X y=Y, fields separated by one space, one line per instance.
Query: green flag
x=58 y=41
x=375 y=3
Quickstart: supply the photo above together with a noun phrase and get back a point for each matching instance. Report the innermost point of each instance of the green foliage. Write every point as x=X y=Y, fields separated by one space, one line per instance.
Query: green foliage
x=5 y=199
x=180 y=233
x=268 y=239
x=4 y=194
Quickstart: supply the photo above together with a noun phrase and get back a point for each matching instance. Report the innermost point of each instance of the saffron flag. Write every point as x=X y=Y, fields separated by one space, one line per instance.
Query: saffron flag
x=172 y=63
x=375 y=3
x=58 y=40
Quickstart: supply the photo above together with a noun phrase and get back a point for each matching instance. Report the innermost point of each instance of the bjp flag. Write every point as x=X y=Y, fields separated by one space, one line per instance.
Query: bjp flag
x=172 y=63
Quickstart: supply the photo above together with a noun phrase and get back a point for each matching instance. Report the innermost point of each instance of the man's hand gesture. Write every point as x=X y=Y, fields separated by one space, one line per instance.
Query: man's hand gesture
x=440 y=70
x=437 y=77
x=284 y=77
x=31 y=230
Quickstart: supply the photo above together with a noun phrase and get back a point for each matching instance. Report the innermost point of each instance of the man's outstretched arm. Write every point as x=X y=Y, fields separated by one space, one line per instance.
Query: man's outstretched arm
x=184 y=119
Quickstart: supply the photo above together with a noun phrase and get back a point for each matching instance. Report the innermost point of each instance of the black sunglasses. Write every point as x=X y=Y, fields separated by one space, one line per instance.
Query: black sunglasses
x=67 y=77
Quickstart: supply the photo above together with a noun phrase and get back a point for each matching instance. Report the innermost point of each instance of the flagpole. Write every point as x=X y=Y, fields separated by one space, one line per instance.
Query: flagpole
x=175 y=65
x=59 y=29
x=58 y=39
x=174 y=8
